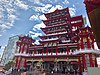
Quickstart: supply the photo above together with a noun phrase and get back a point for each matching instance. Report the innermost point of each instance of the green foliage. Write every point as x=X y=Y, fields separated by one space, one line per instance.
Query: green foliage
x=9 y=65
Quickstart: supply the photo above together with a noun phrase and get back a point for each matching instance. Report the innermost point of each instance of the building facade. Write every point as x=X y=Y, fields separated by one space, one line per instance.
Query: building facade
x=67 y=46
x=9 y=50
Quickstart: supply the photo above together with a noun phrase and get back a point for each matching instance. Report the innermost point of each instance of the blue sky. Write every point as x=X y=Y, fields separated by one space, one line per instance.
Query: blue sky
x=25 y=16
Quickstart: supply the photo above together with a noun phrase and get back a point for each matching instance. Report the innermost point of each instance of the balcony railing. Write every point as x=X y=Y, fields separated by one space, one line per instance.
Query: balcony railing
x=86 y=51
x=81 y=51
x=44 y=54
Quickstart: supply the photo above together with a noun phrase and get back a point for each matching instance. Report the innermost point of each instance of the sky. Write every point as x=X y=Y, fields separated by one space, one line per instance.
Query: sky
x=25 y=16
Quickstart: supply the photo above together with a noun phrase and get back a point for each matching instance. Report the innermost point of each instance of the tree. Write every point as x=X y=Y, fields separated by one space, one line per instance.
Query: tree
x=9 y=65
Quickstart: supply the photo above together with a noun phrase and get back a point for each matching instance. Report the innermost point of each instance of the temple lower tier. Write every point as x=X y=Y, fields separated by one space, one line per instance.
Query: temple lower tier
x=71 y=62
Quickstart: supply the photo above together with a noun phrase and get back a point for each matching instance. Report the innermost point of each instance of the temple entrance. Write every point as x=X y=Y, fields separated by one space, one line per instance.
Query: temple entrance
x=62 y=67
x=55 y=65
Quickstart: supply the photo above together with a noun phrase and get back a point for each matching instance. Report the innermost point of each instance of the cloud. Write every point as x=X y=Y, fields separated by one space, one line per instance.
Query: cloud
x=38 y=2
x=42 y=17
x=66 y=2
x=3 y=27
x=72 y=11
x=34 y=34
x=37 y=42
x=11 y=18
x=8 y=23
x=0 y=35
x=41 y=25
x=43 y=9
x=34 y=17
x=36 y=31
x=54 y=8
x=11 y=10
x=8 y=12
x=21 y=4
x=46 y=9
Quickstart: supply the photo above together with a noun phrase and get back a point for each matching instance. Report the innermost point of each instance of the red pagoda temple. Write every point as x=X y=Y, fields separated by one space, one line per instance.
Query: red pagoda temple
x=66 y=45
x=93 y=11
x=22 y=48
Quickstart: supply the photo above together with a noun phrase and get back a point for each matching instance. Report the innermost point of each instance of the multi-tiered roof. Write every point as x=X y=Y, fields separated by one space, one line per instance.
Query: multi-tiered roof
x=61 y=29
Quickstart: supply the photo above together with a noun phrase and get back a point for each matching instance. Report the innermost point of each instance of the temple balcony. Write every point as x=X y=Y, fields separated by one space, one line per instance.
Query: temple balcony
x=84 y=51
x=44 y=54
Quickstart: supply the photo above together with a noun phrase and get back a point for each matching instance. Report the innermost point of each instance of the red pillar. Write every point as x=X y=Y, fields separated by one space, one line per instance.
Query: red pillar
x=20 y=51
x=91 y=60
x=19 y=63
x=16 y=62
x=23 y=48
x=88 y=42
x=93 y=43
x=82 y=43
x=67 y=50
x=84 y=61
x=24 y=63
x=56 y=48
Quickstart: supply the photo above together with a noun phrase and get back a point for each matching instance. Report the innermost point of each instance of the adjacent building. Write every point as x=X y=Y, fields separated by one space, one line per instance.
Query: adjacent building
x=9 y=50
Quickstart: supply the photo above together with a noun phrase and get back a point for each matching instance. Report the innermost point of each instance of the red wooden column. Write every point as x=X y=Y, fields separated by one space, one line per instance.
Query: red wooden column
x=23 y=45
x=25 y=58
x=91 y=60
x=88 y=42
x=27 y=49
x=92 y=42
x=67 y=50
x=24 y=63
x=16 y=62
x=19 y=62
x=84 y=61
x=56 y=48
x=82 y=43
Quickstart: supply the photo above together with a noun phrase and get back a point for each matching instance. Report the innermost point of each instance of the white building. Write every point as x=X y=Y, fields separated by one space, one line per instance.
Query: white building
x=9 y=50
